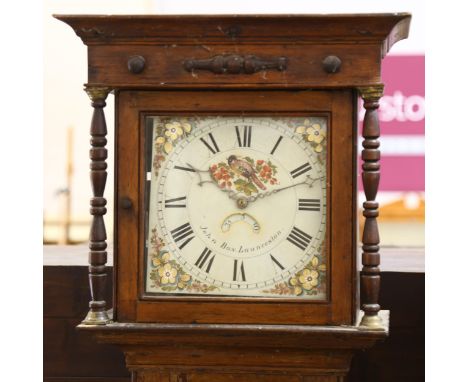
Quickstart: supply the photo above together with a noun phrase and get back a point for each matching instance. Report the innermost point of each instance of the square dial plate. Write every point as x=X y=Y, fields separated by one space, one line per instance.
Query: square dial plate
x=236 y=206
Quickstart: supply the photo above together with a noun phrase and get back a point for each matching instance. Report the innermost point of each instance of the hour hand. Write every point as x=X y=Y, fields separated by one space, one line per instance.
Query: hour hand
x=204 y=176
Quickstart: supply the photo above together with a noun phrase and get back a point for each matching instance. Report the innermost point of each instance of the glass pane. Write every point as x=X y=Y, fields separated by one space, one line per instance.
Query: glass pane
x=236 y=206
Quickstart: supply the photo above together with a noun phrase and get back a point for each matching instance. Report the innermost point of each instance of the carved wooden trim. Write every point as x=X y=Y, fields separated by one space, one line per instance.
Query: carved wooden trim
x=236 y=64
x=97 y=314
x=370 y=273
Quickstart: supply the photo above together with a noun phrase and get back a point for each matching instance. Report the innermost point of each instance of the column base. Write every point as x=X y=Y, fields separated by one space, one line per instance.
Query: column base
x=96 y=318
x=376 y=322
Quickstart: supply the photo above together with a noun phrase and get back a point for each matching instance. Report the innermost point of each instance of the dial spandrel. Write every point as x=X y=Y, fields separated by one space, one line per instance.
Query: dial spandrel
x=237 y=207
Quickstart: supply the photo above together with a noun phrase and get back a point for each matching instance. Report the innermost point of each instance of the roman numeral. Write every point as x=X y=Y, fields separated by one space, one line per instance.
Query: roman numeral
x=277 y=263
x=213 y=147
x=299 y=238
x=246 y=136
x=238 y=270
x=184 y=168
x=309 y=204
x=206 y=258
x=276 y=144
x=183 y=232
x=172 y=203
x=301 y=170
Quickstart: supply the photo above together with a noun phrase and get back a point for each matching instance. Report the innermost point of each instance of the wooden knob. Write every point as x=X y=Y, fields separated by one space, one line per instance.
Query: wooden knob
x=331 y=64
x=136 y=64
x=125 y=203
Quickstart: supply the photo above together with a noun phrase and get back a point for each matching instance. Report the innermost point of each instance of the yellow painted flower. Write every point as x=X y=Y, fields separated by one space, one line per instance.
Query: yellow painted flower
x=156 y=262
x=186 y=126
x=183 y=280
x=167 y=144
x=167 y=274
x=316 y=134
x=302 y=129
x=295 y=283
x=175 y=129
x=313 y=133
x=316 y=266
x=309 y=279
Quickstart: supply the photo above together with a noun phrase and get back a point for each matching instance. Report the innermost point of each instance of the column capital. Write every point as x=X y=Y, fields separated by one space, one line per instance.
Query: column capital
x=371 y=92
x=96 y=93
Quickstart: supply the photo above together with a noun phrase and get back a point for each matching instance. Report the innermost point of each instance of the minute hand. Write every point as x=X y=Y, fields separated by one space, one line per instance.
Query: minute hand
x=309 y=181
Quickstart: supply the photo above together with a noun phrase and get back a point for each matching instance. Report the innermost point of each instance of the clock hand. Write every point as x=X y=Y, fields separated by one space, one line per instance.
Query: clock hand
x=309 y=181
x=241 y=200
x=231 y=194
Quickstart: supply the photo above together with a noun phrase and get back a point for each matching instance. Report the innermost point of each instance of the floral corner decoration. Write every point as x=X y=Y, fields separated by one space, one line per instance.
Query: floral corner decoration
x=168 y=275
x=315 y=134
x=168 y=134
x=173 y=131
x=310 y=281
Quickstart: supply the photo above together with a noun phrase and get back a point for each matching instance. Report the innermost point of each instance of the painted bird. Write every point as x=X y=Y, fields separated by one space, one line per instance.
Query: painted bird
x=244 y=168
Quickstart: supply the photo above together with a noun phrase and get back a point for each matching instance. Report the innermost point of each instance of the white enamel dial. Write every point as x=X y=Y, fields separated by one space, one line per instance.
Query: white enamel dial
x=238 y=205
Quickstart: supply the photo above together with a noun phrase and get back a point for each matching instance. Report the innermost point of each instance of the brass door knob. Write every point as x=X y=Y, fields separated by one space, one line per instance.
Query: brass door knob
x=136 y=64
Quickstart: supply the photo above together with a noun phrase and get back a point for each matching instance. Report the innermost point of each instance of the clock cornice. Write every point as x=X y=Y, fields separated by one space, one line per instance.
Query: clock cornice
x=384 y=29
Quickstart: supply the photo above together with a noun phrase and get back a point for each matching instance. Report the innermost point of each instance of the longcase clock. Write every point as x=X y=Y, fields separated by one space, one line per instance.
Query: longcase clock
x=235 y=231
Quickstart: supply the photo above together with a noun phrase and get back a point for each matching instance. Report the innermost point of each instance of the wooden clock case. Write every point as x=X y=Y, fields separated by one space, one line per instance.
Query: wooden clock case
x=237 y=65
x=133 y=305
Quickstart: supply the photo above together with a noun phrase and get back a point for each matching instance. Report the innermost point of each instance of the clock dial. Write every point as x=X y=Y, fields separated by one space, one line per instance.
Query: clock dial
x=237 y=207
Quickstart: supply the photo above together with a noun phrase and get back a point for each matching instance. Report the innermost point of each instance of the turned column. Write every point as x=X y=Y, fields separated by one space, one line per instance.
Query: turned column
x=97 y=314
x=370 y=273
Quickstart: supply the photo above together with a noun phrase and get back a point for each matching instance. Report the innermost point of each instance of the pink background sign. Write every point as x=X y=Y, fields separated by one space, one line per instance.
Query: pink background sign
x=402 y=119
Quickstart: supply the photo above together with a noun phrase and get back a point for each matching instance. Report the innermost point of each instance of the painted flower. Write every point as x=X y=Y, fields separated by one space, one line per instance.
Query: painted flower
x=309 y=278
x=175 y=129
x=167 y=274
x=296 y=285
x=316 y=135
x=160 y=260
x=183 y=280
x=301 y=129
x=156 y=243
x=313 y=133
x=166 y=143
x=315 y=265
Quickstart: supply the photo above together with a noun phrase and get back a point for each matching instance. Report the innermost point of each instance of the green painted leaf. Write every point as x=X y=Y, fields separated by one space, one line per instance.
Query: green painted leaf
x=251 y=187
